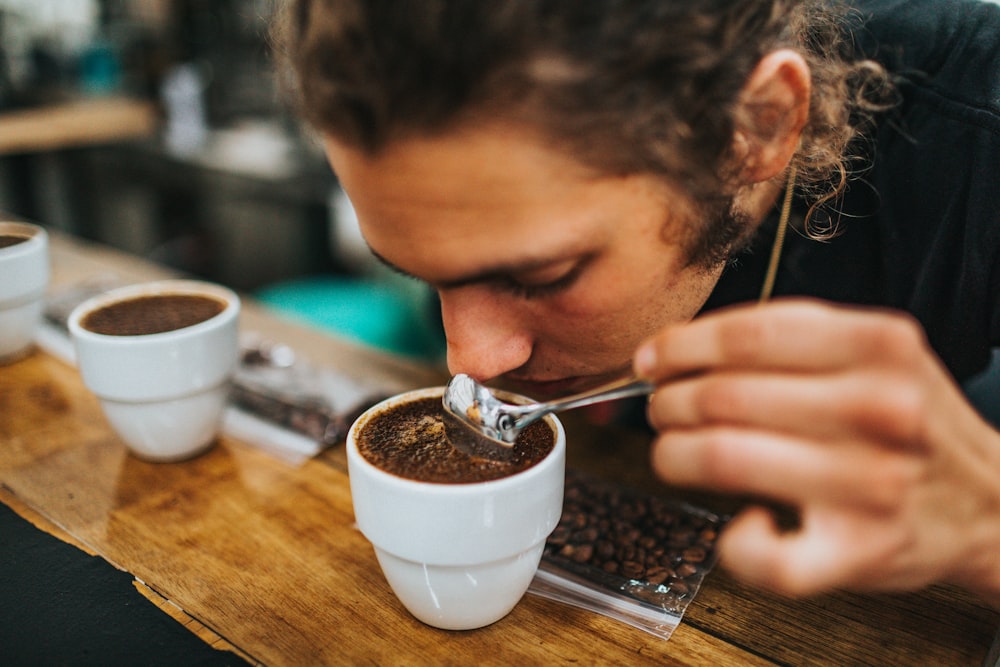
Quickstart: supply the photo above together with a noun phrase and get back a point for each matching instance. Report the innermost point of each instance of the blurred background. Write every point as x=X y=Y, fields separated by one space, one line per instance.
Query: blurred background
x=158 y=127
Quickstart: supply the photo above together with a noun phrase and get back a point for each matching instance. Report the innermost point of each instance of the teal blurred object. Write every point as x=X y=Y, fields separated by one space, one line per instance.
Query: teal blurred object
x=392 y=316
x=100 y=69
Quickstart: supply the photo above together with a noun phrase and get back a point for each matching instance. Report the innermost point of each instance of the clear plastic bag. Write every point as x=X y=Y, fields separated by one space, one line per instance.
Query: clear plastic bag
x=634 y=557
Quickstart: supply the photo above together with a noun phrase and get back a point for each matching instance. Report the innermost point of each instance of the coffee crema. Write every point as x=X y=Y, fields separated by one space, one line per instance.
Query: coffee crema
x=409 y=440
x=151 y=314
x=8 y=240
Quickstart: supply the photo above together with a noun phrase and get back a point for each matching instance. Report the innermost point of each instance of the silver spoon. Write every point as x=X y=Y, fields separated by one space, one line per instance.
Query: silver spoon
x=480 y=424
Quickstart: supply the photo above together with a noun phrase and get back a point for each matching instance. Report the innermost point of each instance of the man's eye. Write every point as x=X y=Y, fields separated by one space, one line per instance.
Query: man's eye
x=541 y=290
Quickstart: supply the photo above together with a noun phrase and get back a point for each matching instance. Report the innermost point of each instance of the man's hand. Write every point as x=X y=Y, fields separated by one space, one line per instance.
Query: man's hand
x=847 y=415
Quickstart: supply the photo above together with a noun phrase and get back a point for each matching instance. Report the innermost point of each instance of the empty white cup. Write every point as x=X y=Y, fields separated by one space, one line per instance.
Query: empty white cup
x=163 y=393
x=24 y=275
x=458 y=556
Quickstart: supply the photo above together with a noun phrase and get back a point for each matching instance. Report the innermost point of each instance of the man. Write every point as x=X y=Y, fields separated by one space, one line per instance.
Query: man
x=604 y=187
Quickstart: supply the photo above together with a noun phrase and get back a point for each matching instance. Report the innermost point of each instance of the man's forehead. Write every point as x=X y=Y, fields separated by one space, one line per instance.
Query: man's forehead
x=494 y=157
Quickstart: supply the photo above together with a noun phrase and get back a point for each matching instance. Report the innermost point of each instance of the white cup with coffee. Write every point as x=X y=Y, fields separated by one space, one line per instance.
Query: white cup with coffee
x=24 y=276
x=461 y=551
x=160 y=357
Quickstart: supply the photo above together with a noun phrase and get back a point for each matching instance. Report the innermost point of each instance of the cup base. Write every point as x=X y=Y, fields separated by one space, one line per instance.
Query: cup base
x=187 y=455
x=460 y=597
x=171 y=430
x=17 y=330
x=17 y=355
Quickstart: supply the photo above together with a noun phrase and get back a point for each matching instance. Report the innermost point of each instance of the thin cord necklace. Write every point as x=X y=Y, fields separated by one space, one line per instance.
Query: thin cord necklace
x=779 y=240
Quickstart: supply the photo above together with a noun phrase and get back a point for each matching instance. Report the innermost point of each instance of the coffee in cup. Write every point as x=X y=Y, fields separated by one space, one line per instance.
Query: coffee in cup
x=410 y=441
x=152 y=314
x=7 y=240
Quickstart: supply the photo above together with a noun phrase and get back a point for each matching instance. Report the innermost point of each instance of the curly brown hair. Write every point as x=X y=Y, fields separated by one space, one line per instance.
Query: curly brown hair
x=625 y=86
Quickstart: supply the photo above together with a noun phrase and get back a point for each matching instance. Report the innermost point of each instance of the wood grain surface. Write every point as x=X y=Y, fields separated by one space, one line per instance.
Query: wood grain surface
x=265 y=556
x=76 y=123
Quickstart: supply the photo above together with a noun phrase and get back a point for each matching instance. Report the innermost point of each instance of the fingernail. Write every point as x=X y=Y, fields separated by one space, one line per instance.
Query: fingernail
x=645 y=359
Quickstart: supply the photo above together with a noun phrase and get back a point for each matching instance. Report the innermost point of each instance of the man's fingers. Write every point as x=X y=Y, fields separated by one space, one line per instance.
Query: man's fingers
x=785 y=468
x=831 y=548
x=882 y=405
x=790 y=335
x=754 y=549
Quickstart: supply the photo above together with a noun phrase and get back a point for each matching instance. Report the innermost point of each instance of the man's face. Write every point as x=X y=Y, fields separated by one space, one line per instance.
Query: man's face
x=549 y=275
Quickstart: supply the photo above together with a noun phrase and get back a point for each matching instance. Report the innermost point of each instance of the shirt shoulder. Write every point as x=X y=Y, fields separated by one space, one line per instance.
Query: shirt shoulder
x=946 y=51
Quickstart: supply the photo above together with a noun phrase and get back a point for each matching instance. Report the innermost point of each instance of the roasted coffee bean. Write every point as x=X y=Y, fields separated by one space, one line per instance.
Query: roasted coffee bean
x=657 y=575
x=686 y=570
x=559 y=536
x=632 y=570
x=584 y=553
x=694 y=554
x=684 y=534
x=605 y=550
x=626 y=552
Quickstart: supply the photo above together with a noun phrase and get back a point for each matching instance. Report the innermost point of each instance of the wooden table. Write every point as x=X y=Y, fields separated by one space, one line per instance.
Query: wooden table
x=266 y=554
x=76 y=123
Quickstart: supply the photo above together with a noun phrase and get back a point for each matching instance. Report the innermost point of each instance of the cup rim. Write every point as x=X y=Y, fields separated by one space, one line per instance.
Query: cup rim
x=153 y=288
x=453 y=488
x=27 y=264
x=36 y=235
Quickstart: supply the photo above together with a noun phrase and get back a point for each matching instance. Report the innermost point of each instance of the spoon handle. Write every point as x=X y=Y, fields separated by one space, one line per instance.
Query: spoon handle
x=608 y=392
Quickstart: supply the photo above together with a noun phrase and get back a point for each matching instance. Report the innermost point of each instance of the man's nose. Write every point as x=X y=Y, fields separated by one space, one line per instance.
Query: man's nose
x=485 y=338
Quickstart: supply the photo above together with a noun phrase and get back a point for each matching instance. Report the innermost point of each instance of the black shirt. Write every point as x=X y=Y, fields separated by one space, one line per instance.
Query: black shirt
x=920 y=230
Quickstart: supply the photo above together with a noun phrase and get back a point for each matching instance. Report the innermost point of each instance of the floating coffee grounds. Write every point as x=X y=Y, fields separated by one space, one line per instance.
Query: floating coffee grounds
x=8 y=240
x=409 y=440
x=152 y=314
x=646 y=548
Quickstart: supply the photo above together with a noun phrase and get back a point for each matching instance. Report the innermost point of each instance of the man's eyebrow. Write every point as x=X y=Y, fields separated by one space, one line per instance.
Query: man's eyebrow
x=484 y=276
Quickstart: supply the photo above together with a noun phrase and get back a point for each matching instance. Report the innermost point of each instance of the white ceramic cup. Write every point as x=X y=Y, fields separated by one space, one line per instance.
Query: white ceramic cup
x=163 y=393
x=24 y=275
x=458 y=556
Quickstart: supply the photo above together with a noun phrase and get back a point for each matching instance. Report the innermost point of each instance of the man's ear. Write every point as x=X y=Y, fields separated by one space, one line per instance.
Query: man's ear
x=773 y=108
